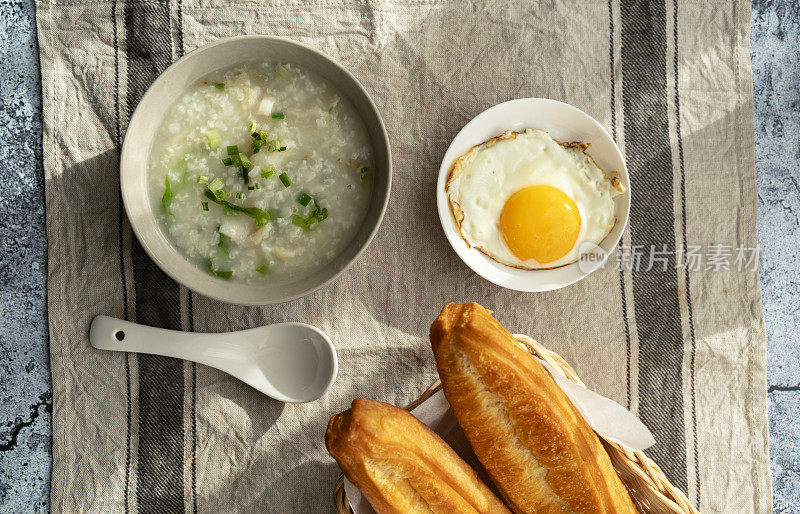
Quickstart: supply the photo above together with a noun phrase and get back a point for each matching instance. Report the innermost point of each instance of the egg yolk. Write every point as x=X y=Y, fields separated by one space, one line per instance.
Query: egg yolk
x=540 y=222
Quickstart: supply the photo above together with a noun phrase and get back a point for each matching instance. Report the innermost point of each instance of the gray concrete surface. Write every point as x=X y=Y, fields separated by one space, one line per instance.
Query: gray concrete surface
x=25 y=399
x=775 y=54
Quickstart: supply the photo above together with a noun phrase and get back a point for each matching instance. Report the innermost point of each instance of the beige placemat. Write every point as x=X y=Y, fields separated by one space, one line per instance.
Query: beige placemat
x=676 y=332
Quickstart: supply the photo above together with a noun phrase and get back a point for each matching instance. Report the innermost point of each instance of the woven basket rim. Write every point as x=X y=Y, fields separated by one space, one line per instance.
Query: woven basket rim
x=648 y=486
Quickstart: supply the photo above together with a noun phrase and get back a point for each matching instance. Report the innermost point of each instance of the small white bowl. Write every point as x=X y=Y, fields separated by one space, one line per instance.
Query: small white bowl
x=147 y=117
x=564 y=123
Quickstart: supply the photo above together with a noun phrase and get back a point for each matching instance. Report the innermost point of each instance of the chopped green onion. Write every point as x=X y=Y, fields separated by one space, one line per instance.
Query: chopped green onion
x=240 y=196
x=219 y=85
x=318 y=215
x=213 y=138
x=300 y=222
x=273 y=145
x=262 y=269
x=227 y=161
x=202 y=179
x=259 y=138
x=220 y=274
x=267 y=173
x=257 y=186
x=364 y=173
x=277 y=115
x=281 y=71
x=282 y=149
x=251 y=188
x=304 y=199
x=232 y=150
x=216 y=185
x=205 y=205
x=244 y=162
x=223 y=244
x=260 y=215
x=165 y=199
x=285 y=180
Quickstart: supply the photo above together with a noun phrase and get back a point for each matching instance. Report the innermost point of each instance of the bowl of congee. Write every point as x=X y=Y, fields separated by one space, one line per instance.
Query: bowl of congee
x=255 y=170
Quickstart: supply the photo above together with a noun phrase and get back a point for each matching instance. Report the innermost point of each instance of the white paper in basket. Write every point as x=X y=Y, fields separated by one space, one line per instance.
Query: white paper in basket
x=609 y=419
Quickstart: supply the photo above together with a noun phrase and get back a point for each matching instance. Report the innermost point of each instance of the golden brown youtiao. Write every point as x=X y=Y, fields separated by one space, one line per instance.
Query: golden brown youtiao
x=401 y=466
x=539 y=451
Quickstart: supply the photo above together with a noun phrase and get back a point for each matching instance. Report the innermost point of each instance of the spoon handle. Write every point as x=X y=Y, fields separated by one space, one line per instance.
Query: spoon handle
x=108 y=333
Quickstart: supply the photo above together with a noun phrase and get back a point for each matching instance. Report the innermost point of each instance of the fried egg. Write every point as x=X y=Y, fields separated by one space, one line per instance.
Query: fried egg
x=530 y=202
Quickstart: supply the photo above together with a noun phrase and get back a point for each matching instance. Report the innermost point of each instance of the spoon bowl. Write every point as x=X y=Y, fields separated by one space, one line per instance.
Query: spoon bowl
x=291 y=362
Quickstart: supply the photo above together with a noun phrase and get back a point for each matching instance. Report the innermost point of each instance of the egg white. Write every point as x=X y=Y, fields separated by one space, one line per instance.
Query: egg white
x=482 y=180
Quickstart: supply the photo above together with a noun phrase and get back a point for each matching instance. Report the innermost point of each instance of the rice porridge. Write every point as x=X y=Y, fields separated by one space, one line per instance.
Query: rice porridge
x=261 y=172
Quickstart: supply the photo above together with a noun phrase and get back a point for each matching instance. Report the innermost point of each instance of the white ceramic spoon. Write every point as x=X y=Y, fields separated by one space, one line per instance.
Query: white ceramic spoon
x=291 y=362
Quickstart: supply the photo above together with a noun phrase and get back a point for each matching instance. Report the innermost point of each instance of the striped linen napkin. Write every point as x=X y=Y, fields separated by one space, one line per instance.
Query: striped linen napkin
x=672 y=328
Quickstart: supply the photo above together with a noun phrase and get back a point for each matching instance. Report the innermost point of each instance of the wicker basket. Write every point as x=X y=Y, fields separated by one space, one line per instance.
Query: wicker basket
x=647 y=484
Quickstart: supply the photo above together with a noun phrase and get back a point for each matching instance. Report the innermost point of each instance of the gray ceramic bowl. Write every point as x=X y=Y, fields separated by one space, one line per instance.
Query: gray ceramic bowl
x=147 y=118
